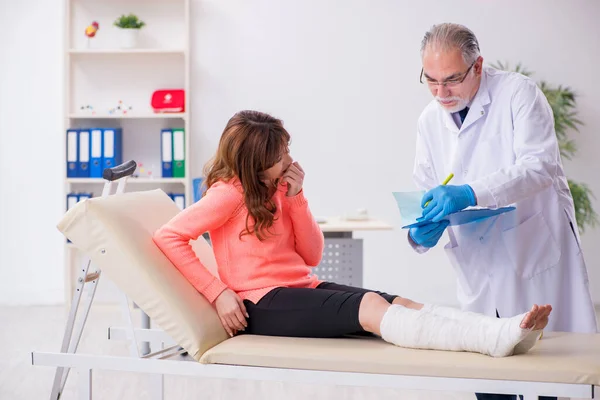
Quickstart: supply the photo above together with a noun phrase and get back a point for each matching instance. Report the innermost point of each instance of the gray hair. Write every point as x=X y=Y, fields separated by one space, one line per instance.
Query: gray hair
x=452 y=36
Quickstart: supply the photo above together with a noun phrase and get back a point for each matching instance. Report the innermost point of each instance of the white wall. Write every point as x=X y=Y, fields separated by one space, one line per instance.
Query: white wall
x=343 y=75
x=31 y=151
x=344 y=78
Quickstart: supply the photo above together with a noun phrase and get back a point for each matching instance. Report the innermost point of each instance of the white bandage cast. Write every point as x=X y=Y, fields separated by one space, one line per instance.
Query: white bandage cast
x=424 y=329
x=454 y=313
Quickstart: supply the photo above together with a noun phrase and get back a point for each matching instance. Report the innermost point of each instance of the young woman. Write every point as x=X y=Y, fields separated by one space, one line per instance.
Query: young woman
x=266 y=240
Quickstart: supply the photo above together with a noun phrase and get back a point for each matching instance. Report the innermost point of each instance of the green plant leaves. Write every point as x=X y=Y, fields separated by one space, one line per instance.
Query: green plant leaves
x=563 y=101
x=584 y=212
x=130 y=21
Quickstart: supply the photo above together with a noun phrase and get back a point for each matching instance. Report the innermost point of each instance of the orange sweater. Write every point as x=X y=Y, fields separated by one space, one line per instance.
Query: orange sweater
x=247 y=266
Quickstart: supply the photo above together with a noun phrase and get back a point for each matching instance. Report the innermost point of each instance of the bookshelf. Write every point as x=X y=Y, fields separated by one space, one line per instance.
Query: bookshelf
x=100 y=72
x=91 y=52
x=74 y=181
x=182 y=116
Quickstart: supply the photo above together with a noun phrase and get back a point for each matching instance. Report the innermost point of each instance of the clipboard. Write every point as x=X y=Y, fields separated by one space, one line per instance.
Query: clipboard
x=409 y=204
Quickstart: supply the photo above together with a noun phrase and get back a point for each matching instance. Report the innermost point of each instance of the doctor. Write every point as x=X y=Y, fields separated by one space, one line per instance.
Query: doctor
x=494 y=131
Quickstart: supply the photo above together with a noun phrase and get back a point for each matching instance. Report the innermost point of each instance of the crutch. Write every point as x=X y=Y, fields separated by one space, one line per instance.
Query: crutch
x=89 y=279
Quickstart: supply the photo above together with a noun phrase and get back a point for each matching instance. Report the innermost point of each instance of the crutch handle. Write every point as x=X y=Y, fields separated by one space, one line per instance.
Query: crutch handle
x=120 y=171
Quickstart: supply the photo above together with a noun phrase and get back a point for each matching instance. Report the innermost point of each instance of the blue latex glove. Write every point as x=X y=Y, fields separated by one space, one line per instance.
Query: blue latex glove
x=429 y=234
x=445 y=200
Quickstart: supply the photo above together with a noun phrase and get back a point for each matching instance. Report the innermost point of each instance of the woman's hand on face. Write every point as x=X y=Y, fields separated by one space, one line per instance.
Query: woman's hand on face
x=294 y=177
x=232 y=312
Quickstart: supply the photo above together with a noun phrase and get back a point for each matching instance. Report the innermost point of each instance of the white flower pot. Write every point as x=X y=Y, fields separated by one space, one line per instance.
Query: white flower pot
x=129 y=38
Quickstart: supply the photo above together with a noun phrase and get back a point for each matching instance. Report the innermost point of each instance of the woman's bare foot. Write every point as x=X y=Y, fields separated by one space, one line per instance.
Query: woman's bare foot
x=535 y=324
x=537 y=317
x=542 y=318
x=528 y=321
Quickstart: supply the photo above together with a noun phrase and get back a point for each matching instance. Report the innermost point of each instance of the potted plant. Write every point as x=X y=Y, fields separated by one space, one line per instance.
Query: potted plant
x=562 y=100
x=129 y=26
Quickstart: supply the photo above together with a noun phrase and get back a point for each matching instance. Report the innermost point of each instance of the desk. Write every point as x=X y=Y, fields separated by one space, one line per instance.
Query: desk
x=342 y=260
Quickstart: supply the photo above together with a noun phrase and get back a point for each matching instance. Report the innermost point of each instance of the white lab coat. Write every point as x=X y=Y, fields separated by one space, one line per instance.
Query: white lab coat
x=507 y=151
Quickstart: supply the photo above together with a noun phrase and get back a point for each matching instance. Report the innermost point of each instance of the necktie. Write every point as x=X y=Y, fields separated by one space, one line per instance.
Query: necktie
x=463 y=114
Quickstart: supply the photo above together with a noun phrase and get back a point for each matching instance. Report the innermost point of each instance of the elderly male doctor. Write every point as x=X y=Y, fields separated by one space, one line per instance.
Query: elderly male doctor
x=495 y=132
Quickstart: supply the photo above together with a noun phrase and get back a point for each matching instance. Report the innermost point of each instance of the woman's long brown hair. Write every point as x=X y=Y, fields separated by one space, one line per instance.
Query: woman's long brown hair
x=251 y=143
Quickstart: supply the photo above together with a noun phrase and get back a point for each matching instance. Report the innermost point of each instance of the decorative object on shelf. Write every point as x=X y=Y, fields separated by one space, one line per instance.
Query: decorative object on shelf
x=120 y=109
x=168 y=101
x=87 y=109
x=143 y=171
x=129 y=26
x=90 y=31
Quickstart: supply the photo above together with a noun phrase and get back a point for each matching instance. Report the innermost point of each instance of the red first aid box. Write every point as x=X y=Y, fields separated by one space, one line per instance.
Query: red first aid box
x=168 y=101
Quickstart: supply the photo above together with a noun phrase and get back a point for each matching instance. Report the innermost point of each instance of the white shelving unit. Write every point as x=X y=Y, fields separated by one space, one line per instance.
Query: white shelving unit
x=99 y=73
x=183 y=181
x=90 y=52
x=182 y=116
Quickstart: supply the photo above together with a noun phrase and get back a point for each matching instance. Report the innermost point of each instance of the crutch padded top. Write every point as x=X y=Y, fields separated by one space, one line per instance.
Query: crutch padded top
x=120 y=171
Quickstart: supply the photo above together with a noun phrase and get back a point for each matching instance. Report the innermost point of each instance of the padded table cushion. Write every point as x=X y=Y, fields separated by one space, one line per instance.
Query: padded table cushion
x=557 y=357
x=115 y=232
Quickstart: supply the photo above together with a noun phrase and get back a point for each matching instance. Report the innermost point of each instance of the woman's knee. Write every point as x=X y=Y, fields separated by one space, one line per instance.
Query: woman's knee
x=371 y=310
x=371 y=299
x=408 y=303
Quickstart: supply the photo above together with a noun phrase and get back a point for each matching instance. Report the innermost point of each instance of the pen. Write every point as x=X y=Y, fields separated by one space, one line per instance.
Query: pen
x=444 y=183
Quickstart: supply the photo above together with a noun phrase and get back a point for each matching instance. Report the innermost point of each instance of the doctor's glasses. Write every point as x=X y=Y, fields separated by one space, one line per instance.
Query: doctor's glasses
x=451 y=82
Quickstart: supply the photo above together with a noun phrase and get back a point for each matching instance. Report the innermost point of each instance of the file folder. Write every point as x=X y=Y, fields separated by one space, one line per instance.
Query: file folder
x=178 y=153
x=179 y=199
x=96 y=153
x=83 y=196
x=166 y=149
x=83 y=164
x=72 y=153
x=199 y=188
x=72 y=199
x=112 y=147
